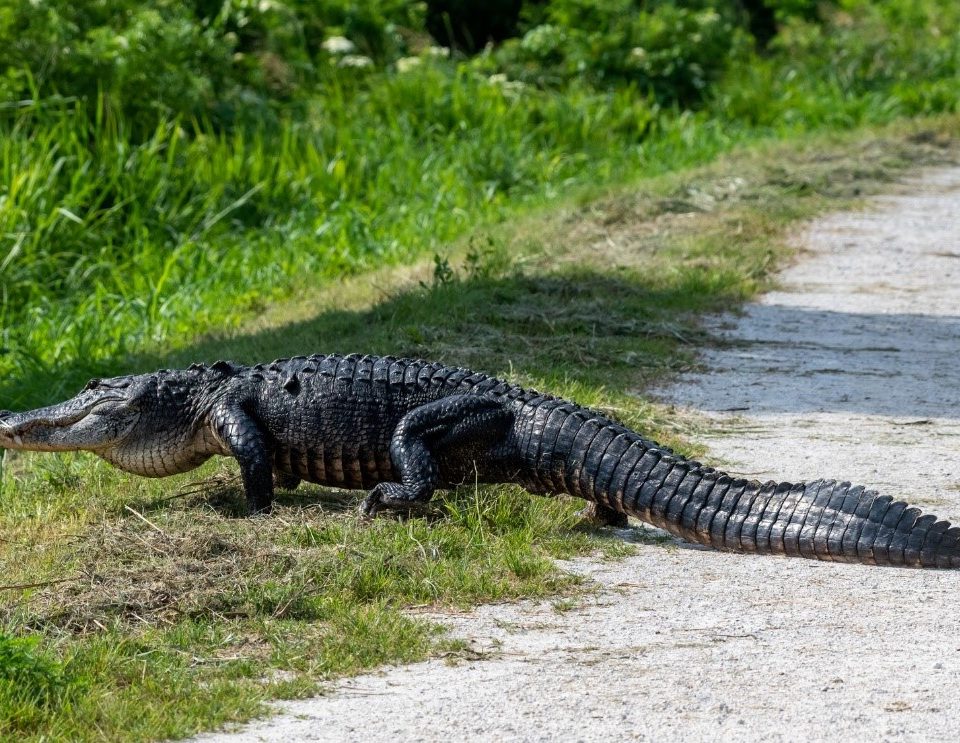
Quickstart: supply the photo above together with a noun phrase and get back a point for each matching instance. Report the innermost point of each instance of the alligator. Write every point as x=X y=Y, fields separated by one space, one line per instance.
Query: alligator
x=402 y=428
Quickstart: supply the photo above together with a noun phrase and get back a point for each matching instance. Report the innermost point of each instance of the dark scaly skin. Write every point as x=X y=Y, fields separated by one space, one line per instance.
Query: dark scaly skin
x=402 y=429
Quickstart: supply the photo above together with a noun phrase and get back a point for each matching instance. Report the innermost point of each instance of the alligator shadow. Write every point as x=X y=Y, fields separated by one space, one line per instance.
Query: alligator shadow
x=591 y=327
x=619 y=332
x=782 y=359
x=225 y=497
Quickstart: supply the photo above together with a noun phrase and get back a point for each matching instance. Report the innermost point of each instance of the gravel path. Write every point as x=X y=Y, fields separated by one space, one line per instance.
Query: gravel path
x=851 y=369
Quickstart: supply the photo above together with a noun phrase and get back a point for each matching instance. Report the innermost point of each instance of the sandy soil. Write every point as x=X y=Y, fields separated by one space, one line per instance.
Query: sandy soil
x=851 y=369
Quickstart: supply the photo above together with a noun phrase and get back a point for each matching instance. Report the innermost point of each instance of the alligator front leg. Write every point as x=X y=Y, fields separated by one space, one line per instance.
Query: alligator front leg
x=469 y=423
x=246 y=442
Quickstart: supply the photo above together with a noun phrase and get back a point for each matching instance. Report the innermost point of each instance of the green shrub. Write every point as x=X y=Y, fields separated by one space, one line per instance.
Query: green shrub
x=672 y=51
x=863 y=61
x=142 y=62
x=236 y=62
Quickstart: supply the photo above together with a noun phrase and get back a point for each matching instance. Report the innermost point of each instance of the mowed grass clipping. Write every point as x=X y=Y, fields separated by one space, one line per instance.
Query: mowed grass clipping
x=143 y=609
x=165 y=617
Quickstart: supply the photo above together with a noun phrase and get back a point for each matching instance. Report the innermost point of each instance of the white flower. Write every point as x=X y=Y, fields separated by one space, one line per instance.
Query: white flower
x=405 y=64
x=338 y=45
x=438 y=51
x=511 y=88
x=708 y=17
x=354 y=60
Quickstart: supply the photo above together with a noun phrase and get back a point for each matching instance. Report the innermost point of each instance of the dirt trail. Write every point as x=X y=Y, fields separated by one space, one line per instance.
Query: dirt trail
x=851 y=369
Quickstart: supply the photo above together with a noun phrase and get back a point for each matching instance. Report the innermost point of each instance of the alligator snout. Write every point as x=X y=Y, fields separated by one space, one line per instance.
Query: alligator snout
x=6 y=428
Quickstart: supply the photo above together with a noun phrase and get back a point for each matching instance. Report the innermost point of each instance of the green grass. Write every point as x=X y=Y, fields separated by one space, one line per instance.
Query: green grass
x=110 y=245
x=156 y=612
x=115 y=246
x=174 y=615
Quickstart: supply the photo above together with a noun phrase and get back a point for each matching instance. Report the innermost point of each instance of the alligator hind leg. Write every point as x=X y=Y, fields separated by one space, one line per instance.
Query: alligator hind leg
x=470 y=424
x=600 y=515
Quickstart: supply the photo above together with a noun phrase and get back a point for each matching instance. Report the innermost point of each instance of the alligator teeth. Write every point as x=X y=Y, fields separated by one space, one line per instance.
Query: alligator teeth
x=17 y=440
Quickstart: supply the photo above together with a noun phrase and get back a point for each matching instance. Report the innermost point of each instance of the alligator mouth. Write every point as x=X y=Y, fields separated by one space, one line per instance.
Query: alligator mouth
x=8 y=429
x=16 y=431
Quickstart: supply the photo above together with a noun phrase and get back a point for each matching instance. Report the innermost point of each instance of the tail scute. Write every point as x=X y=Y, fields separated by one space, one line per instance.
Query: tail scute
x=822 y=519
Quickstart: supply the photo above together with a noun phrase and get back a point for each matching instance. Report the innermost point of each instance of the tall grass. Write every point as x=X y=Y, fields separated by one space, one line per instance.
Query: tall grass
x=111 y=243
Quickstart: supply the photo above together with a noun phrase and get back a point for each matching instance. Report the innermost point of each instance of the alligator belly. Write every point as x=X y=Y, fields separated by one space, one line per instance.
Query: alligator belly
x=336 y=465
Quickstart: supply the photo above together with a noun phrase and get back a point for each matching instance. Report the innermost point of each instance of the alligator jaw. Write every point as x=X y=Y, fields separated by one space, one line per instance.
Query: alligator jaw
x=7 y=429
x=68 y=426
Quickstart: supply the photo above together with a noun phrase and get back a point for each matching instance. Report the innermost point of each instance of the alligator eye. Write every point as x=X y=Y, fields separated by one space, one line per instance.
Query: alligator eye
x=92 y=385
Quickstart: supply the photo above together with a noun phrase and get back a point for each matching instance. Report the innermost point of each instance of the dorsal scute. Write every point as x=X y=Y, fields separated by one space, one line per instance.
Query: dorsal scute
x=225 y=368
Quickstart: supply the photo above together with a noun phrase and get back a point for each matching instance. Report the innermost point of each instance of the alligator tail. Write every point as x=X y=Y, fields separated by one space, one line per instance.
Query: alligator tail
x=822 y=520
x=569 y=449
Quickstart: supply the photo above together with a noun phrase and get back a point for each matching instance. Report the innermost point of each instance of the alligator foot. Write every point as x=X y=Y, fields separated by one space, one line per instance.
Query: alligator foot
x=392 y=496
x=258 y=509
x=600 y=515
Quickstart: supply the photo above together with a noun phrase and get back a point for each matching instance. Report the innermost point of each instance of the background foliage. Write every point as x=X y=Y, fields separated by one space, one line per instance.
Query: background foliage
x=170 y=166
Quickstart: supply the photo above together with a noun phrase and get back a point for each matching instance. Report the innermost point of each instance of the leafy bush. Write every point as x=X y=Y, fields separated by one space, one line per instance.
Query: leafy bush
x=238 y=61
x=141 y=62
x=863 y=61
x=673 y=51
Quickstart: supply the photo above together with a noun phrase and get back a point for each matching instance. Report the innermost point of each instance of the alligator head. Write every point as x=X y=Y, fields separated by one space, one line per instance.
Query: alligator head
x=146 y=423
x=102 y=414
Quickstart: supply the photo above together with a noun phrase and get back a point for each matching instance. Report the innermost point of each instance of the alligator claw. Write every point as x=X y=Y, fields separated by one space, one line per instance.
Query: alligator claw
x=370 y=506
x=391 y=496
